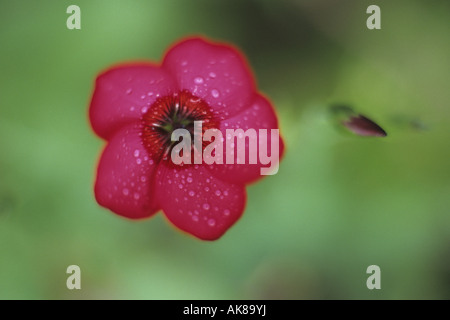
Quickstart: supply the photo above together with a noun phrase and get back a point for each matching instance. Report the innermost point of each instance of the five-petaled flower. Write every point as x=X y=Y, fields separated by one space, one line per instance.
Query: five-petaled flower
x=135 y=107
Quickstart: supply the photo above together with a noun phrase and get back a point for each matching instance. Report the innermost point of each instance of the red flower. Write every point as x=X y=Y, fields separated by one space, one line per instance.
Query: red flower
x=136 y=107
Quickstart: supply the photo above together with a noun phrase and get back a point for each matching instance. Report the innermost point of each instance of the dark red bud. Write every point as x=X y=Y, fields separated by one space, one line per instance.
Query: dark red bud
x=363 y=126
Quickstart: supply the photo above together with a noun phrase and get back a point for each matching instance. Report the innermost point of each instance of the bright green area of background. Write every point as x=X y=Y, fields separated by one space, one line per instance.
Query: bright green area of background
x=338 y=204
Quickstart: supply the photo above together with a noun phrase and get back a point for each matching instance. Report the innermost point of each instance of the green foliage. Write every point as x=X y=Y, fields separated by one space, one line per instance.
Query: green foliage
x=338 y=204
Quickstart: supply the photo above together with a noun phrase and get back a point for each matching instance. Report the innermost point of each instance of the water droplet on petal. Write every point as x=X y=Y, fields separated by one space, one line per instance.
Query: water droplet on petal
x=218 y=193
x=215 y=93
x=129 y=91
x=138 y=161
x=189 y=179
x=125 y=191
x=198 y=80
x=212 y=75
x=211 y=222
x=180 y=186
x=206 y=206
x=136 y=153
x=191 y=193
x=143 y=178
x=226 y=212
x=195 y=218
x=136 y=196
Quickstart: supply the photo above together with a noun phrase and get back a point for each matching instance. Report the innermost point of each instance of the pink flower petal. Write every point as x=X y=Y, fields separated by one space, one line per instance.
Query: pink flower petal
x=125 y=176
x=260 y=115
x=216 y=73
x=123 y=93
x=198 y=203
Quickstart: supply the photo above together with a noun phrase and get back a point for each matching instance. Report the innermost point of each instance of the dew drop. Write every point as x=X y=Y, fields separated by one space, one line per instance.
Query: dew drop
x=180 y=186
x=143 y=97
x=143 y=178
x=206 y=206
x=215 y=93
x=136 y=153
x=191 y=193
x=195 y=218
x=226 y=212
x=218 y=193
x=189 y=179
x=125 y=191
x=129 y=91
x=138 y=161
x=136 y=196
x=198 y=80
x=212 y=75
x=211 y=222
x=206 y=189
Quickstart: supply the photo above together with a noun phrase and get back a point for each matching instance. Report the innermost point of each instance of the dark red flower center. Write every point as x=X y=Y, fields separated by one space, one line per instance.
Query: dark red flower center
x=175 y=111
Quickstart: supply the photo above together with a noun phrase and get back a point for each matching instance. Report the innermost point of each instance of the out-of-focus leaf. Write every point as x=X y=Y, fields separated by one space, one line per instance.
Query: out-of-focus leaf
x=409 y=122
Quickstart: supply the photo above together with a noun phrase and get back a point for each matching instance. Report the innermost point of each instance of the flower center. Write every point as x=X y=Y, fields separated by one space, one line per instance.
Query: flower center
x=176 y=111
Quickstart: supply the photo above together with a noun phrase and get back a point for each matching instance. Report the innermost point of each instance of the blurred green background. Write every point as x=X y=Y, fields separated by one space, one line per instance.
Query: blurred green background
x=338 y=204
